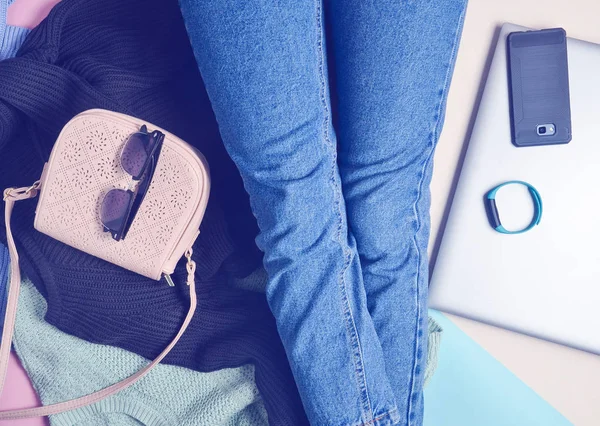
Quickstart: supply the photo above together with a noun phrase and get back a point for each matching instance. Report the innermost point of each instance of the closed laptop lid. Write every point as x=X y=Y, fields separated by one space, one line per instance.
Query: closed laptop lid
x=545 y=282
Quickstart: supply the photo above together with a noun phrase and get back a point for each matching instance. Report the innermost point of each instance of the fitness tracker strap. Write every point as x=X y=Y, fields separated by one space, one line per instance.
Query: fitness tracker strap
x=493 y=209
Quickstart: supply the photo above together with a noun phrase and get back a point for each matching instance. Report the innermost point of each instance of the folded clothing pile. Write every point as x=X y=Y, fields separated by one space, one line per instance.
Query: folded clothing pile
x=168 y=396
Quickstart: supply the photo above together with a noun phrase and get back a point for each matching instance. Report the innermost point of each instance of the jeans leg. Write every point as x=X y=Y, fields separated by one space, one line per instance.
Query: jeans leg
x=393 y=64
x=263 y=63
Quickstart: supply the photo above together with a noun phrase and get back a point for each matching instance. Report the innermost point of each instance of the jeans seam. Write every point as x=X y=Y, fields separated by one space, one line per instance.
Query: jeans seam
x=433 y=135
x=351 y=330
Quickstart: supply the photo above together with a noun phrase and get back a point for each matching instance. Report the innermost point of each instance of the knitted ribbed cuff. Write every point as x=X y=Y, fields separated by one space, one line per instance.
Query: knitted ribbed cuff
x=145 y=414
x=13 y=39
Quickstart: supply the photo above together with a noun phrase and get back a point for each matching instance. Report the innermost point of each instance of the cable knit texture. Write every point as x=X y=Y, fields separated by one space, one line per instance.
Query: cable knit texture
x=134 y=57
x=168 y=396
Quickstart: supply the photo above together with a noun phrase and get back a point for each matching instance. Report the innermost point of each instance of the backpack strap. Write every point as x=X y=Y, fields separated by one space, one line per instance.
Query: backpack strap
x=11 y=195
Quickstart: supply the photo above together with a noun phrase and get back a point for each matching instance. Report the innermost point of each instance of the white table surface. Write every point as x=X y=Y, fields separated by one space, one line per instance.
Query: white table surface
x=568 y=379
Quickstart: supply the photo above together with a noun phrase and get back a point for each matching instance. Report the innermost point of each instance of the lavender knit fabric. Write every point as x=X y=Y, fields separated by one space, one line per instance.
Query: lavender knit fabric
x=11 y=38
x=134 y=57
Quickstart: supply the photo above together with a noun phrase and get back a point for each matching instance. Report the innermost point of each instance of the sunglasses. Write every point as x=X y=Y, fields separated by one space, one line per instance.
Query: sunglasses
x=138 y=158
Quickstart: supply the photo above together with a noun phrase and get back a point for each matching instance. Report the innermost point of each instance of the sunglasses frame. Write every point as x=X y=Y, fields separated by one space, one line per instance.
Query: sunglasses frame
x=144 y=178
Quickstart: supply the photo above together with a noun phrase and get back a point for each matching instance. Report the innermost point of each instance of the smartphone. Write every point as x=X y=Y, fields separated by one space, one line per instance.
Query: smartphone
x=538 y=78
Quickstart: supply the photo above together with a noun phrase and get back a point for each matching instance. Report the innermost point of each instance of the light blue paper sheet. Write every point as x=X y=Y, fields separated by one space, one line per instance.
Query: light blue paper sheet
x=472 y=388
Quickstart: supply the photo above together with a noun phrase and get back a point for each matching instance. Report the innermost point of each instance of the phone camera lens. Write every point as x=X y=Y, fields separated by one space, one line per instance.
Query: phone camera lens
x=542 y=130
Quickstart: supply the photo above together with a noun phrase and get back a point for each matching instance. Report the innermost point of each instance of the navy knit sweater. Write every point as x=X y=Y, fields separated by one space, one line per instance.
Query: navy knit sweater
x=134 y=57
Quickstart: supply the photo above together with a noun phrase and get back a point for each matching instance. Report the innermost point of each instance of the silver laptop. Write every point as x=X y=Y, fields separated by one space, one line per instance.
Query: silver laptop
x=546 y=282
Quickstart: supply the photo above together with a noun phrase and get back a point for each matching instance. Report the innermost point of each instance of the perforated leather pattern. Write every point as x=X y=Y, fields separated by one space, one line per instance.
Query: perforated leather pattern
x=85 y=165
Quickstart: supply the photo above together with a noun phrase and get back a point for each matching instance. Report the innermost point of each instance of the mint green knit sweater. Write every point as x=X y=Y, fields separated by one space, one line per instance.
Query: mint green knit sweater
x=63 y=367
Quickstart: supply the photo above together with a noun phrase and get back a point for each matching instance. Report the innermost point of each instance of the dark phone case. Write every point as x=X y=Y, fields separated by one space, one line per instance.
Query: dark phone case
x=539 y=86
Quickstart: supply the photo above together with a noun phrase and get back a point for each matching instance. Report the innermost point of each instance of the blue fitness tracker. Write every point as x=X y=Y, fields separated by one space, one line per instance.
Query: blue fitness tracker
x=492 y=209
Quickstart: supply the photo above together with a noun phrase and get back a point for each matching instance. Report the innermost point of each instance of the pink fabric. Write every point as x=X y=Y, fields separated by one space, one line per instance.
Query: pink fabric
x=29 y=13
x=19 y=392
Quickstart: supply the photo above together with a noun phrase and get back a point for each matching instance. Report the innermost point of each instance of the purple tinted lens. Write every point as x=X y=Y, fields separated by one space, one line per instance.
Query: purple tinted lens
x=135 y=153
x=115 y=207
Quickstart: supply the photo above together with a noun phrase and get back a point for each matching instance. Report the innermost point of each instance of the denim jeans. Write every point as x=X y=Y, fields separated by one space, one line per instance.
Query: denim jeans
x=343 y=214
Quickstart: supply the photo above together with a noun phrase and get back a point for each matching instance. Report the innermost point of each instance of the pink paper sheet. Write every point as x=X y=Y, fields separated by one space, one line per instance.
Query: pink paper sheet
x=18 y=392
x=29 y=13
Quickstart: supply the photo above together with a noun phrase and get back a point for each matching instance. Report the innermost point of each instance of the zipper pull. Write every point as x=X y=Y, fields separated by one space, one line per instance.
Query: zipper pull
x=169 y=280
x=190 y=267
